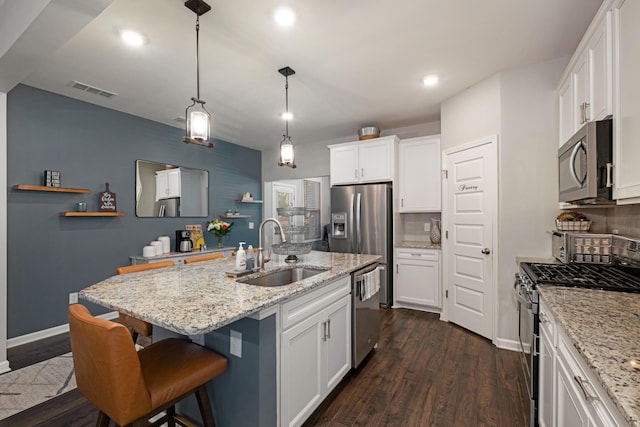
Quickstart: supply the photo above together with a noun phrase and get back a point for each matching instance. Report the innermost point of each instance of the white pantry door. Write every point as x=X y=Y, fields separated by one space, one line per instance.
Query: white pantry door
x=471 y=195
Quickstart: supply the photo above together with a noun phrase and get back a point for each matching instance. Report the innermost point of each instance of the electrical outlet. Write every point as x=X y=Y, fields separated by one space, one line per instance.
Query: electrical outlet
x=73 y=298
x=427 y=227
x=235 y=343
x=251 y=226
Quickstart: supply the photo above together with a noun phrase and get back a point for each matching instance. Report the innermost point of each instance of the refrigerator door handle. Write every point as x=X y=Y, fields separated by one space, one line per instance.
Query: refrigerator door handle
x=351 y=213
x=358 y=231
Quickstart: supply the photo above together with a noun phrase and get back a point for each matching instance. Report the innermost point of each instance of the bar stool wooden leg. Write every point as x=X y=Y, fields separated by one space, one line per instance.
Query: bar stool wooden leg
x=205 y=406
x=103 y=420
x=171 y=416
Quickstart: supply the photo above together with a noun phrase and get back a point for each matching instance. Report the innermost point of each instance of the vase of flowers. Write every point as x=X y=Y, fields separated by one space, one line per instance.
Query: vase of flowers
x=219 y=229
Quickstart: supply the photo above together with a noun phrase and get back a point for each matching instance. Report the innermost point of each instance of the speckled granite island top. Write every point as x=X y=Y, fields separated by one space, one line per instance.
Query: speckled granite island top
x=605 y=329
x=197 y=298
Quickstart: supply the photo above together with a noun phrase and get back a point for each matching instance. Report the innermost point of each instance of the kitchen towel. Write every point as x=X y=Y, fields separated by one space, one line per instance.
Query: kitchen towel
x=370 y=284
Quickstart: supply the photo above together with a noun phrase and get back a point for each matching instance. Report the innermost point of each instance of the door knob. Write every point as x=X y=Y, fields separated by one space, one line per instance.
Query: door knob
x=486 y=251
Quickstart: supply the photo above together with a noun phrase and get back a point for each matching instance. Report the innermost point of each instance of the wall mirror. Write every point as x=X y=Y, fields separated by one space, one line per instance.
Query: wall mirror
x=164 y=190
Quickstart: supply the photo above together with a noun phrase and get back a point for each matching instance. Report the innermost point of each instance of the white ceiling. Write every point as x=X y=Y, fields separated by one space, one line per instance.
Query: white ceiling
x=357 y=62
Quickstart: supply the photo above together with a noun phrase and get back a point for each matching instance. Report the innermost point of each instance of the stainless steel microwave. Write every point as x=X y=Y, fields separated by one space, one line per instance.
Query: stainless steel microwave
x=585 y=164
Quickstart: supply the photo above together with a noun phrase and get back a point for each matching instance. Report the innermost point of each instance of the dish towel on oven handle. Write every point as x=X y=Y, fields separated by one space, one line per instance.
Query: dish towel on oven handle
x=370 y=284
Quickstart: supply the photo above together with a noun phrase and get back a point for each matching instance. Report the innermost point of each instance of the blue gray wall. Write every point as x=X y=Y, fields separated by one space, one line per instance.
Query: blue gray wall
x=50 y=256
x=245 y=395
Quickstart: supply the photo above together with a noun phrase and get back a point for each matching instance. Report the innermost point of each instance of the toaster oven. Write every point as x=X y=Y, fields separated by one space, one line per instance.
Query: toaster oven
x=581 y=247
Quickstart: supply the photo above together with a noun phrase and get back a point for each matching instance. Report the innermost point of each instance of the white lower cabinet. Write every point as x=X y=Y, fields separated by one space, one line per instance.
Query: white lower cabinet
x=569 y=393
x=315 y=349
x=547 y=368
x=572 y=408
x=417 y=281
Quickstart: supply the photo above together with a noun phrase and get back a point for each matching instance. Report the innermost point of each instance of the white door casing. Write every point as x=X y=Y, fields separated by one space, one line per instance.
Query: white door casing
x=470 y=220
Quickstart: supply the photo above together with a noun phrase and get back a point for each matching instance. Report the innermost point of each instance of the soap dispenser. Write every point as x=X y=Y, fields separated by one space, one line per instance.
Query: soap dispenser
x=250 y=258
x=241 y=257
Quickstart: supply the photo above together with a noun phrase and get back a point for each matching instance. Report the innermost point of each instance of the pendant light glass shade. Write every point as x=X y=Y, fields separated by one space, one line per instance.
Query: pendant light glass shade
x=286 y=145
x=197 y=117
x=198 y=121
x=286 y=152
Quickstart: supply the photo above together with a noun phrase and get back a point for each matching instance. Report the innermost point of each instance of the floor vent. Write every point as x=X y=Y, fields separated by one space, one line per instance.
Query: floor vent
x=92 y=89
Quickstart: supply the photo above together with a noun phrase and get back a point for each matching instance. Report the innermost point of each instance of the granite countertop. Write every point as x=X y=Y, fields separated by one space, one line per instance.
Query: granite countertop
x=604 y=328
x=197 y=298
x=417 y=244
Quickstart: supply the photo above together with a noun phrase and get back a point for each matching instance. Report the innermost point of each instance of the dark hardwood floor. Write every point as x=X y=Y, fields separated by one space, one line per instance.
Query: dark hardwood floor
x=429 y=373
x=424 y=373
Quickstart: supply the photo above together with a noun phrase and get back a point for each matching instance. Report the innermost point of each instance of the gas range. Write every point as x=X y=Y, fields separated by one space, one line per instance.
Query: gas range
x=622 y=278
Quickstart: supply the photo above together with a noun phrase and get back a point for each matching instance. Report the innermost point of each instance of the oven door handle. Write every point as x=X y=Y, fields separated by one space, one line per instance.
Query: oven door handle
x=520 y=297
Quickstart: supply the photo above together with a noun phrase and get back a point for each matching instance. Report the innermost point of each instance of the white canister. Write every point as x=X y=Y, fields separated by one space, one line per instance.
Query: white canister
x=166 y=244
x=158 y=246
x=148 y=251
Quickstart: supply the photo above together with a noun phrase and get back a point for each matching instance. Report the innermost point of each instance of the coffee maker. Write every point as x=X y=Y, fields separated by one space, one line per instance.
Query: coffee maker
x=183 y=241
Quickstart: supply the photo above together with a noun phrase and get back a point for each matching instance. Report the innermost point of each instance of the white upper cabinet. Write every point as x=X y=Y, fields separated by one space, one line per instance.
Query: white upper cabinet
x=567 y=116
x=586 y=90
x=419 y=174
x=168 y=184
x=363 y=161
x=626 y=146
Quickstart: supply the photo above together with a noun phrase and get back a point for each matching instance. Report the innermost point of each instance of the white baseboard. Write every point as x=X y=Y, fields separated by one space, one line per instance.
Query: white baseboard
x=512 y=345
x=47 y=333
x=4 y=367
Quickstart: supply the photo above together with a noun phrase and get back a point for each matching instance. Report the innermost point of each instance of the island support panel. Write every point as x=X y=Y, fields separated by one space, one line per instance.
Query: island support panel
x=245 y=395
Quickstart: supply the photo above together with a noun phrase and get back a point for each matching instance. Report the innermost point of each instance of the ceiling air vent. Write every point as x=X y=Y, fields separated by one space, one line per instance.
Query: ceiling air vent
x=92 y=89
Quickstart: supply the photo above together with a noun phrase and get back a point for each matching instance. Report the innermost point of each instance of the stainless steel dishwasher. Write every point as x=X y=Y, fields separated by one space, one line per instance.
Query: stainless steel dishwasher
x=365 y=320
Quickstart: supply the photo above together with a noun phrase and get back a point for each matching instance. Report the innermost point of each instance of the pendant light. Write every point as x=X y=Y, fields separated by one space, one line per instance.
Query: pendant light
x=286 y=145
x=197 y=117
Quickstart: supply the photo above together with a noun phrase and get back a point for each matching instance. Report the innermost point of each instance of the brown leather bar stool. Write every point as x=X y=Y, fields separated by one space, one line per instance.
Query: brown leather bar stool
x=135 y=325
x=130 y=387
x=208 y=257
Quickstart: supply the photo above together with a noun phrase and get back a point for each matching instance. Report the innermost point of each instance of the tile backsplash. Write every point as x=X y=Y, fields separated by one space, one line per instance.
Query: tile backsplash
x=622 y=220
x=410 y=226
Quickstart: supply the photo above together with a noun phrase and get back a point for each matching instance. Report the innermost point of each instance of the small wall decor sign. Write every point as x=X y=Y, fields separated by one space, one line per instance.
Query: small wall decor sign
x=51 y=178
x=107 y=200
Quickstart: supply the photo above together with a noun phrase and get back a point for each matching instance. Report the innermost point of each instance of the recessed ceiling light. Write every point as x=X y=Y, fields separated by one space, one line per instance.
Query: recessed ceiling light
x=285 y=17
x=287 y=116
x=133 y=38
x=431 y=80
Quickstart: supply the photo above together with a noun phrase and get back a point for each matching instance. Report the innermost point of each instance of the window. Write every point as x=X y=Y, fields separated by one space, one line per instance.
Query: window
x=312 y=204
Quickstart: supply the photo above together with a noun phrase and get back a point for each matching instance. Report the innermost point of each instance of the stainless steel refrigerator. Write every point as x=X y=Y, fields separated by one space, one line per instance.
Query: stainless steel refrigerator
x=362 y=223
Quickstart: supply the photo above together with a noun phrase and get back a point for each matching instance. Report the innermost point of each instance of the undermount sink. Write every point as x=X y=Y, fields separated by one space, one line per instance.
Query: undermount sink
x=284 y=277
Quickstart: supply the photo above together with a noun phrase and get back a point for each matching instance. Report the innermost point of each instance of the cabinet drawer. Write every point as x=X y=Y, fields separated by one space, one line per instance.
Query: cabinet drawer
x=418 y=254
x=598 y=403
x=311 y=303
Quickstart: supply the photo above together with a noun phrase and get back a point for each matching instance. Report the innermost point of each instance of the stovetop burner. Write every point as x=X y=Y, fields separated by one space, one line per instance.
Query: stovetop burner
x=595 y=276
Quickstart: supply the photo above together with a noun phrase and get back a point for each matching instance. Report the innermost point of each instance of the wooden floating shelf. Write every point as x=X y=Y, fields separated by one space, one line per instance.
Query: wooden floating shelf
x=92 y=214
x=235 y=216
x=24 y=187
x=248 y=201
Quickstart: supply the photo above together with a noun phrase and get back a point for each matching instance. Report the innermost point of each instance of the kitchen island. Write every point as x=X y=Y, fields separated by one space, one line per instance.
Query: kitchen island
x=198 y=301
x=603 y=327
